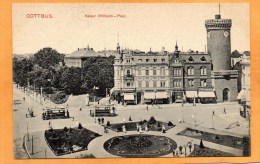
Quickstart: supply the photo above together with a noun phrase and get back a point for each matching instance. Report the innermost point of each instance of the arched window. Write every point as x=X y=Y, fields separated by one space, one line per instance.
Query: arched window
x=190 y=59
x=203 y=58
x=203 y=71
x=190 y=70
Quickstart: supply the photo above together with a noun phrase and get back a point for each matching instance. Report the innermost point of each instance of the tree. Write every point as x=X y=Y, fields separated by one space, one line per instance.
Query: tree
x=71 y=80
x=47 y=57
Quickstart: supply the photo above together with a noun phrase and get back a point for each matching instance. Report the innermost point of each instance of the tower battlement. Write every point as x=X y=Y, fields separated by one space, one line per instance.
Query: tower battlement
x=218 y=23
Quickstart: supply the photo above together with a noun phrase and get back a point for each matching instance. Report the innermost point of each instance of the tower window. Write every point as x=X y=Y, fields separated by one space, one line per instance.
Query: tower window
x=203 y=58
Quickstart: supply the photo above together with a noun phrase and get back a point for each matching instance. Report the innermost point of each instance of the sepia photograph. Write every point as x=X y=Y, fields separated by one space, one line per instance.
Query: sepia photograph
x=136 y=80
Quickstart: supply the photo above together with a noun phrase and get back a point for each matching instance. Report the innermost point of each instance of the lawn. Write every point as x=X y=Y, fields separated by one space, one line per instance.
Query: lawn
x=208 y=152
x=69 y=140
x=226 y=140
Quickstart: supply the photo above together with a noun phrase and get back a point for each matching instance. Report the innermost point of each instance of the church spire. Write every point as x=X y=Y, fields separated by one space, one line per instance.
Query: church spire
x=118 y=46
x=176 y=46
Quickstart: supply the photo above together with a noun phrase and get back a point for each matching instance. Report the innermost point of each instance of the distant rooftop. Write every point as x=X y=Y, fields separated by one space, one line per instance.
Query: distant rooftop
x=84 y=53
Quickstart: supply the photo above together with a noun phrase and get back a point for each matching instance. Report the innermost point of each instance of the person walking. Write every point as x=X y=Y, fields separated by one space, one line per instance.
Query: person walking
x=213 y=113
x=105 y=129
x=99 y=120
x=147 y=107
x=102 y=120
x=224 y=110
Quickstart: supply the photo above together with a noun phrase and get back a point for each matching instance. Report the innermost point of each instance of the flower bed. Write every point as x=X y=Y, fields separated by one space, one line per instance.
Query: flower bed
x=139 y=146
x=226 y=140
x=152 y=125
x=64 y=141
x=208 y=152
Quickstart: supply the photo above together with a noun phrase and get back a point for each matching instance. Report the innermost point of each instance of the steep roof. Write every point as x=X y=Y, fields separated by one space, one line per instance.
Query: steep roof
x=196 y=57
x=84 y=53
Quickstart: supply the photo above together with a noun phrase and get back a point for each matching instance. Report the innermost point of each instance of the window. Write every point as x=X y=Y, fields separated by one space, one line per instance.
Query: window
x=128 y=84
x=140 y=84
x=147 y=60
x=163 y=60
x=139 y=60
x=154 y=83
x=203 y=58
x=128 y=72
x=203 y=83
x=163 y=84
x=147 y=84
x=190 y=59
x=154 y=71
x=155 y=60
x=191 y=82
x=139 y=71
x=147 y=72
x=203 y=71
x=177 y=71
x=118 y=73
x=162 y=71
x=190 y=71
x=177 y=83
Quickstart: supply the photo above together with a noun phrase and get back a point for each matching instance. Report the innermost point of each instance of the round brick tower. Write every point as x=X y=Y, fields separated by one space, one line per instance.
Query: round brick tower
x=218 y=42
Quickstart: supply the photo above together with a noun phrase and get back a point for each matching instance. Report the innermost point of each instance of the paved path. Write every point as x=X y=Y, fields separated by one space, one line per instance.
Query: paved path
x=171 y=112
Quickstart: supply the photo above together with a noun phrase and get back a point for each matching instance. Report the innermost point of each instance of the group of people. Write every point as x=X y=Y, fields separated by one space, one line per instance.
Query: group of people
x=101 y=120
x=31 y=114
x=139 y=128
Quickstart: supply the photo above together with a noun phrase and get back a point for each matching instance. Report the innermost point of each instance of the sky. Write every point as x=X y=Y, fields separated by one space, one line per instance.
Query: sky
x=139 y=26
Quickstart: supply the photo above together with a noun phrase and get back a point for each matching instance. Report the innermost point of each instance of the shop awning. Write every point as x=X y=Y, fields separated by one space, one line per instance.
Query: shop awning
x=206 y=94
x=241 y=94
x=129 y=96
x=149 y=95
x=161 y=95
x=191 y=94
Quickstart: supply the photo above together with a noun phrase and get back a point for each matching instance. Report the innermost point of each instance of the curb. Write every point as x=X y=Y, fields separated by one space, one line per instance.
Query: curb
x=25 y=147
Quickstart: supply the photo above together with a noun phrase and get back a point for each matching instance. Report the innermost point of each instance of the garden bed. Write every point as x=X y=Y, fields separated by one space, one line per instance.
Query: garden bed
x=208 y=152
x=65 y=141
x=152 y=125
x=140 y=146
x=225 y=140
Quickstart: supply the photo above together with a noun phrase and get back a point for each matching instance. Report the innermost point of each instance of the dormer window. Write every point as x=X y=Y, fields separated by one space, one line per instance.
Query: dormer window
x=163 y=60
x=203 y=58
x=155 y=60
x=147 y=60
x=190 y=59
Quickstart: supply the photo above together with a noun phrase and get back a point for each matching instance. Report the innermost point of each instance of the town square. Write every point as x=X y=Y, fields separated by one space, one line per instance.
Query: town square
x=121 y=102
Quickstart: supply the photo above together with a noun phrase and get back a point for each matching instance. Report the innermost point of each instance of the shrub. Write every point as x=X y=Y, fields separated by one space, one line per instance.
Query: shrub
x=246 y=146
x=80 y=126
x=108 y=123
x=130 y=119
x=70 y=130
x=141 y=123
x=144 y=121
x=180 y=149
x=158 y=124
x=170 y=123
x=119 y=129
x=51 y=129
x=217 y=137
x=152 y=120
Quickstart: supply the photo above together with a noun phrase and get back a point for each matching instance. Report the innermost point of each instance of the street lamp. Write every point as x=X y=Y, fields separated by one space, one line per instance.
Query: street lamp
x=95 y=103
x=213 y=121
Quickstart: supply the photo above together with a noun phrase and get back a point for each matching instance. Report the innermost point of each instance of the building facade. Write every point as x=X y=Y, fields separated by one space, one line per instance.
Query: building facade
x=165 y=77
x=77 y=58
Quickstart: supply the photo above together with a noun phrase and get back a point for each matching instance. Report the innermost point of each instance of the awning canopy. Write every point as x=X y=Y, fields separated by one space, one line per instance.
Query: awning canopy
x=129 y=96
x=149 y=95
x=241 y=94
x=161 y=95
x=206 y=94
x=191 y=94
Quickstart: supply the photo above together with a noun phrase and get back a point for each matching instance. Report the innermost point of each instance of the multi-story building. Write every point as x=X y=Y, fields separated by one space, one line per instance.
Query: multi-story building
x=77 y=58
x=142 y=77
x=173 y=77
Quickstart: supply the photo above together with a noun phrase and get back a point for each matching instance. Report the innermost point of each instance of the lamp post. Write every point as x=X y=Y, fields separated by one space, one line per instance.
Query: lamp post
x=213 y=121
x=95 y=103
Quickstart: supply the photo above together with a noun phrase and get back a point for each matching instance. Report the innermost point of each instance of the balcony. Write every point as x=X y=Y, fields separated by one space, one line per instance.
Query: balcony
x=128 y=77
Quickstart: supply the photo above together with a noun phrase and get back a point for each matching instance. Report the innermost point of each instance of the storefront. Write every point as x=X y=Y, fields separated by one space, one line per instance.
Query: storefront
x=190 y=95
x=129 y=98
x=207 y=97
x=149 y=97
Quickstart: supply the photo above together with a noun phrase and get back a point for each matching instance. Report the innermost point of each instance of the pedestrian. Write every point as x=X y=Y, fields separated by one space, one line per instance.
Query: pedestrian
x=146 y=128
x=105 y=129
x=23 y=98
x=137 y=127
x=102 y=120
x=99 y=120
x=173 y=152
x=68 y=114
x=26 y=115
x=213 y=113
x=147 y=107
x=224 y=111
x=72 y=118
x=179 y=120
x=49 y=124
